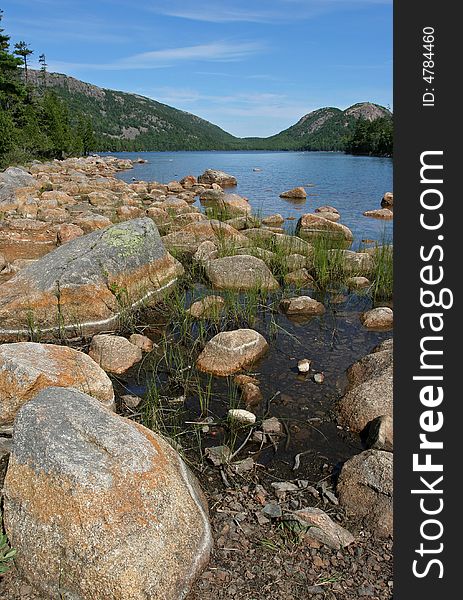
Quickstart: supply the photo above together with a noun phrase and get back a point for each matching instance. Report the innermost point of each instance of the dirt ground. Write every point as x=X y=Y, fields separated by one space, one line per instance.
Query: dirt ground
x=259 y=557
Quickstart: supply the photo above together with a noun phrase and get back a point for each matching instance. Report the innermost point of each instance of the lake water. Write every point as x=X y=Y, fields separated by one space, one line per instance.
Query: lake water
x=353 y=184
x=333 y=341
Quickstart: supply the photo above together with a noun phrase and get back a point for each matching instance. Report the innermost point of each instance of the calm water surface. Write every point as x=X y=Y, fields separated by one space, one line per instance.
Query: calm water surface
x=352 y=184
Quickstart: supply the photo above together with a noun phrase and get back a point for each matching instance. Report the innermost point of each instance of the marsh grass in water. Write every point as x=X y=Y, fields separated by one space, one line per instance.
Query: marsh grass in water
x=383 y=273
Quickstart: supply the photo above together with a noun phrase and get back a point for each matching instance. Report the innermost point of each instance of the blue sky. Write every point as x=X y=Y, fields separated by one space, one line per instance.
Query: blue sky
x=253 y=67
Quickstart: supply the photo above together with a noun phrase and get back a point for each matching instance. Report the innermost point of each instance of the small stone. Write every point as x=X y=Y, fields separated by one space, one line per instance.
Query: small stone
x=206 y=251
x=302 y=305
x=251 y=394
x=243 y=466
x=230 y=351
x=273 y=220
x=388 y=200
x=142 y=342
x=378 y=318
x=131 y=401
x=114 y=354
x=303 y=365
x=242 y=380
x=209 y=307
x=218 y=455
x=272 y=426
x=319 y=377
x=321 y=528
x=380 y=213
x=272 y=510
x=282 y=487
x=261 y=519
x=68 y=232
x=358 y=283
x=244 y=417
x=299 y=278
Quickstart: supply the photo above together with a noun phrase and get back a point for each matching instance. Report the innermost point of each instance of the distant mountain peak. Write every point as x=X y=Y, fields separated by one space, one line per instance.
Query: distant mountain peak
x=367 y=111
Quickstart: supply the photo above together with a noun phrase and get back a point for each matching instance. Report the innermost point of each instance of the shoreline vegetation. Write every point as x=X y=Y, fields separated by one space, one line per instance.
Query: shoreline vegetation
x=47 y=115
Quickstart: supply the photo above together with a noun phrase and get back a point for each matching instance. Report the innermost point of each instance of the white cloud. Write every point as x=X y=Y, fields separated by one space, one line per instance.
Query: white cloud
x=156 y=59
x=268 y=11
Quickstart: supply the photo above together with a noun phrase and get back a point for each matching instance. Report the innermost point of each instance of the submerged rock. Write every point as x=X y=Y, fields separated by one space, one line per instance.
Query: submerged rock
x=297 y=193
x=251 y=394
x=84 y=286
x=365 y=490
x=378 y=318
x=299 y=278
x=302 y=305
x=230 y=351
x=97 y=506
x=240 y=272
x=379 y=213
x=27 y=367
x=209 y=307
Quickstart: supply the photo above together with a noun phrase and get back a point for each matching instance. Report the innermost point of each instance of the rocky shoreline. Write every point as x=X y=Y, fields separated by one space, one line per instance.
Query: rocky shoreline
x=84 y=258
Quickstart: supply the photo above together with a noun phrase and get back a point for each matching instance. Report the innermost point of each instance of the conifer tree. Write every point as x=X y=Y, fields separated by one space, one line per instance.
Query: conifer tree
x=22 y=49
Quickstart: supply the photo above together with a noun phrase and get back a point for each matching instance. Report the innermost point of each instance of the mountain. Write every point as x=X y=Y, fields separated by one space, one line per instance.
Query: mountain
x=124 y=121
x=325 y=128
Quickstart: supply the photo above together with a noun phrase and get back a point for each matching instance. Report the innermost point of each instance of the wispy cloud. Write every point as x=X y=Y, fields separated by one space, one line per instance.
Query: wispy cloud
x=156 y=59
x=270 y=11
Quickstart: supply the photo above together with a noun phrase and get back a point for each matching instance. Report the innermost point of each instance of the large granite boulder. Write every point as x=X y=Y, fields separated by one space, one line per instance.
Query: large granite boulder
x=99 y=507
x=211 y=176
x=230 y=351
x=85 y=285
x=365 y=490
x=16 y=177
x=369 y=393
x=311 y=226
x=27 y=367
x=240 y=272
x=231 y=204
x=27 y=238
